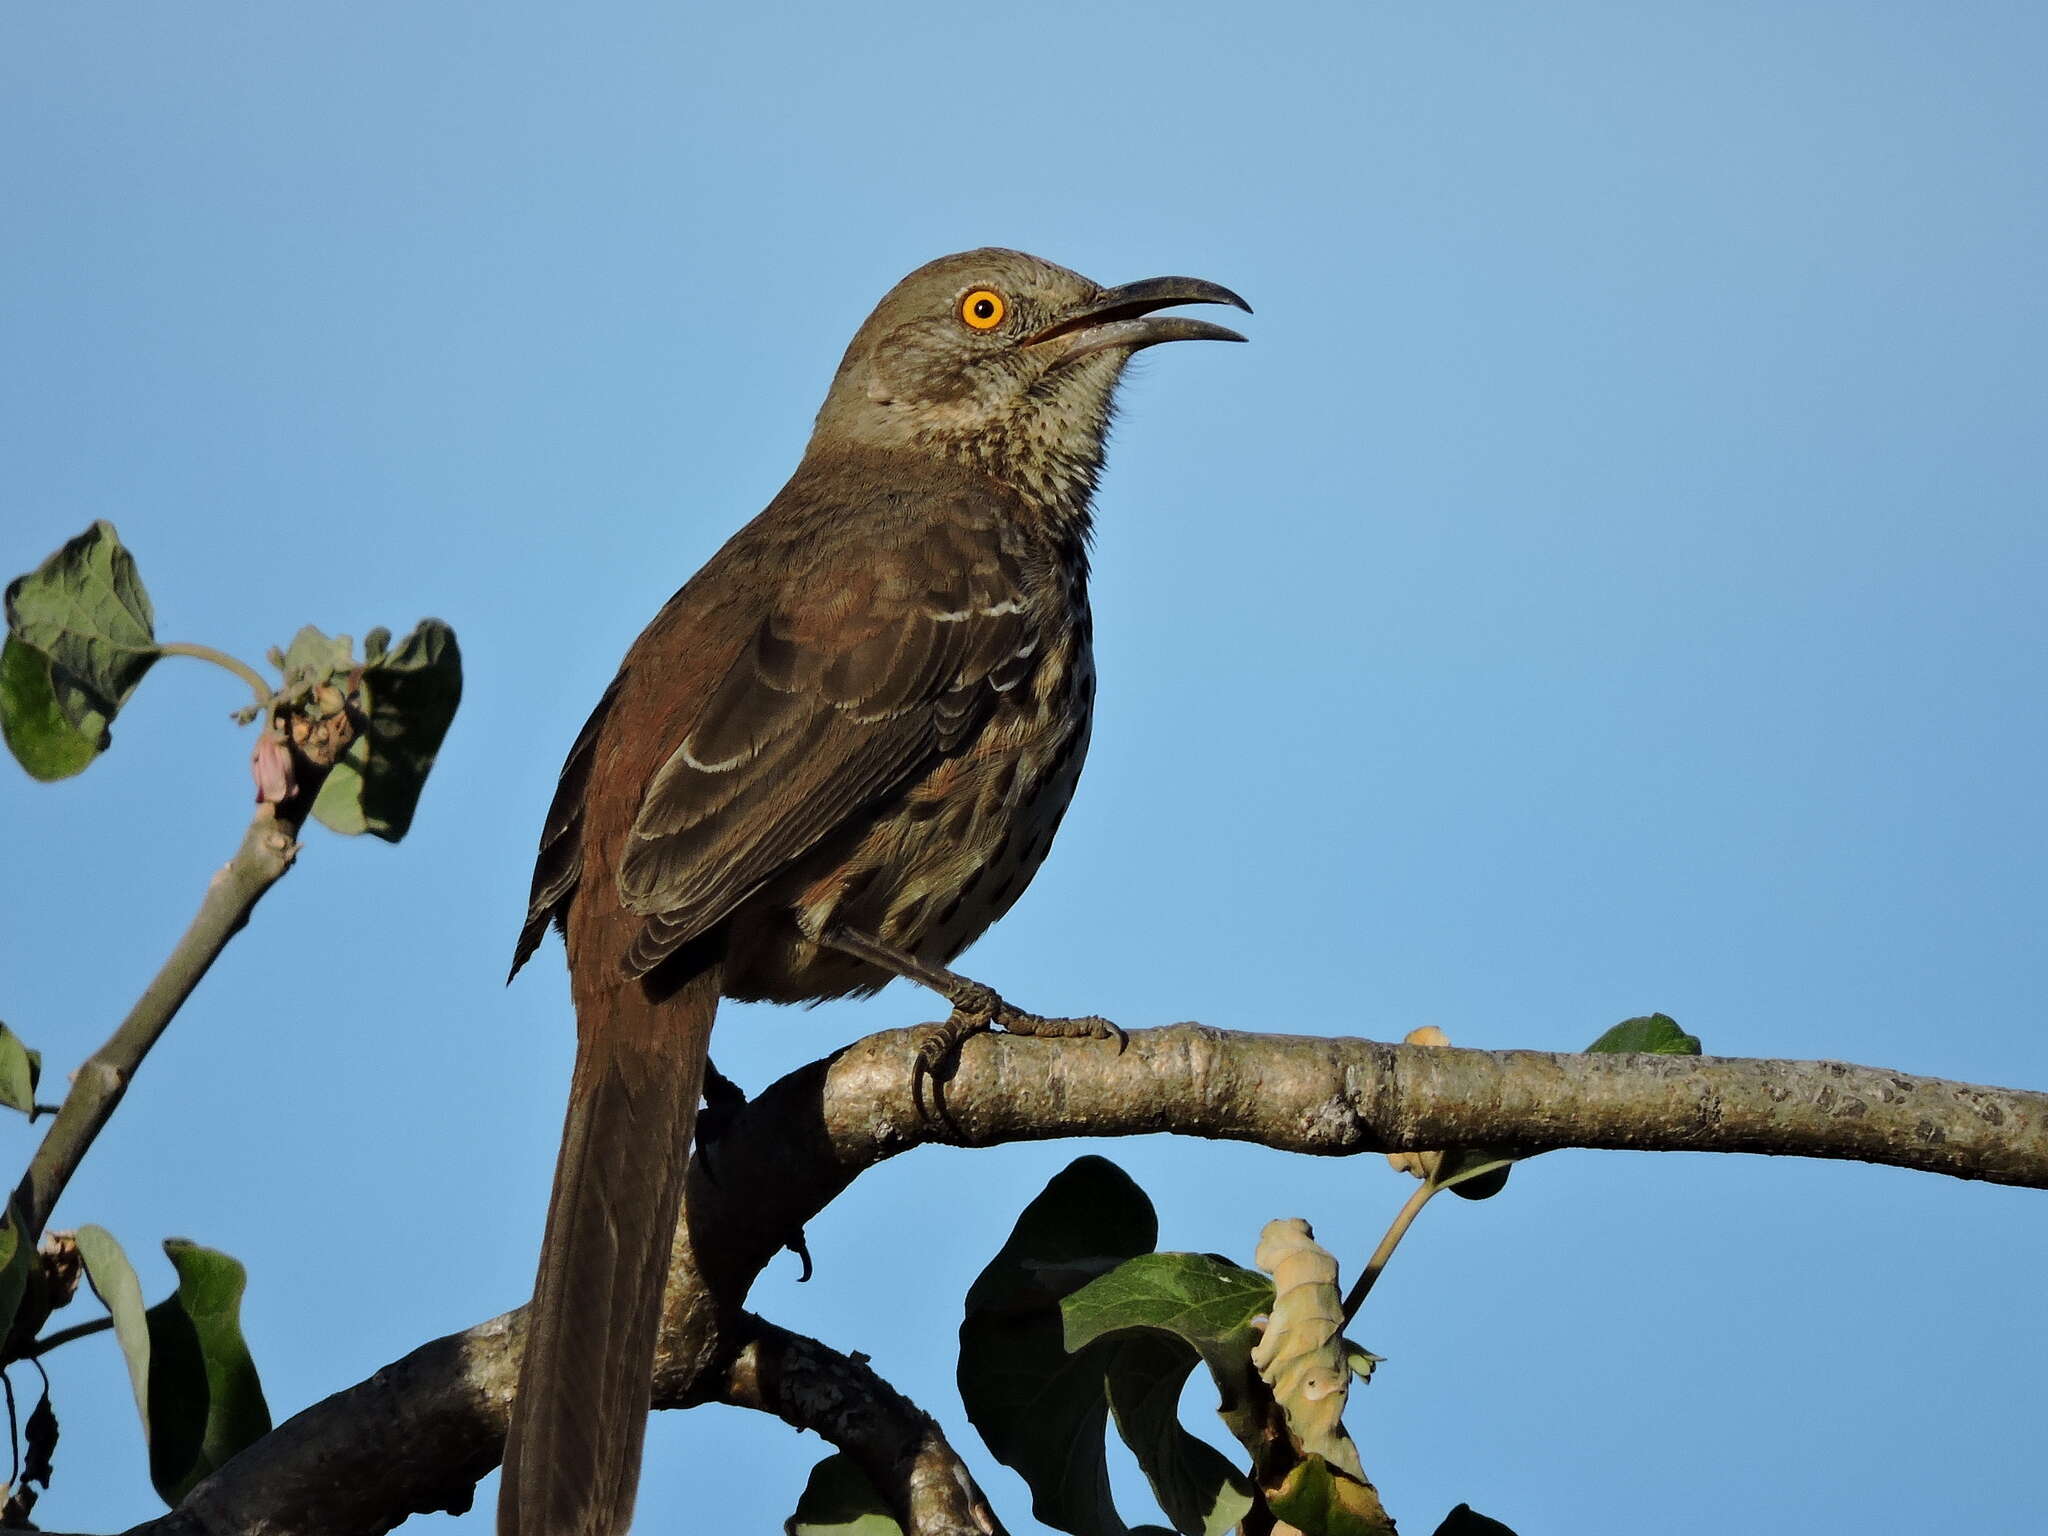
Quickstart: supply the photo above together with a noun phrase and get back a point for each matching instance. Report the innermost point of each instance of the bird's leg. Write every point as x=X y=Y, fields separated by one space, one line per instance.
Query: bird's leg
x=975 y=1007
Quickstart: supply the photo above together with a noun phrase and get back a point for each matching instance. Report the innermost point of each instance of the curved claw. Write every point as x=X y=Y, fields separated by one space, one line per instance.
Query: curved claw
x=936 y=1047
x=976 y=1008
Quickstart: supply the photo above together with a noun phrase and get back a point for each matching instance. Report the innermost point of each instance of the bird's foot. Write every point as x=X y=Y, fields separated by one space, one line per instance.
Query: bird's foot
x=977 y=1008
x=1089 y=1027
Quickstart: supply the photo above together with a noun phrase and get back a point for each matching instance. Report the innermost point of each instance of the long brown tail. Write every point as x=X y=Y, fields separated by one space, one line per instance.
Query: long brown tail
x=572 y=1460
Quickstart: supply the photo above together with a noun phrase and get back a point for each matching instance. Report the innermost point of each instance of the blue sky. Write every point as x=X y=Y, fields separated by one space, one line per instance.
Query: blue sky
x=1611 y=581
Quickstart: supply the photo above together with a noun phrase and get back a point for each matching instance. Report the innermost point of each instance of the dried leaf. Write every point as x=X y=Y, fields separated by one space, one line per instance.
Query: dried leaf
x=61 y=1265
x=39 y=1442
x=1302 y=1355
x=1317 y=1499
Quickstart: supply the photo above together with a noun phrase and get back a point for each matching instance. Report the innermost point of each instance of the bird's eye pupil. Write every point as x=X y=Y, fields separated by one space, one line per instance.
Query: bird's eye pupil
x=982 y=309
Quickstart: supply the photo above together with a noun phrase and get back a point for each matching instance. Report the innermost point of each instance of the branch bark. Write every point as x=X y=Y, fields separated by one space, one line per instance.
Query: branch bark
x=898 y=1445
x=419 y=1433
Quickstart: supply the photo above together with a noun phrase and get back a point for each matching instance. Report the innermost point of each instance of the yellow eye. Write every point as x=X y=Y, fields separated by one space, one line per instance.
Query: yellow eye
x=982 y=309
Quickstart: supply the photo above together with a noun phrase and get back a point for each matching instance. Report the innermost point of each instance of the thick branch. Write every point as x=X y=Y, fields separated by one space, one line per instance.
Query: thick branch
x=418 y=1434
x=1340 y=1096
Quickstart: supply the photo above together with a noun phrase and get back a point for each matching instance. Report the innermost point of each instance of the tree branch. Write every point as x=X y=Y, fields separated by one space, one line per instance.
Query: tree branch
x=302 y=749
x=261 y=686
x=903 y=1452
x=1336 y=1097
x=419 y=1433
x=418 y=1436
x=266 y=853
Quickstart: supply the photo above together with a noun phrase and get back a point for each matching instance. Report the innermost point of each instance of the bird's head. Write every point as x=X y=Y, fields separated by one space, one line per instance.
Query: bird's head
x=1007 y=362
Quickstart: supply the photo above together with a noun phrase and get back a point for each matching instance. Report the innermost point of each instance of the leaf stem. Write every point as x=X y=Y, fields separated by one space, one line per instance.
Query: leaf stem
x=62 y=1336
x=1403 y=1219
x=248 y=674
x=13 y=1431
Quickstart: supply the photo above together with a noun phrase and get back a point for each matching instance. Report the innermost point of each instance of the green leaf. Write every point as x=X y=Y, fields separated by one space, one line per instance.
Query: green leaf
x=1463 y=1521
x=20 y=1070
x=205 y=1402
x=1477 y=1173
x=839 y=1500
x=17 y=1259
x=1202 y=1306
x=1197 y=1487
x=114 y=1281
x=39 y=734
x=1199 y=1297
x=410 y=693
x=1041 y=1410
x=1654 y=1033
x=82 y=634
x=1319 y=1500
x=317 y=657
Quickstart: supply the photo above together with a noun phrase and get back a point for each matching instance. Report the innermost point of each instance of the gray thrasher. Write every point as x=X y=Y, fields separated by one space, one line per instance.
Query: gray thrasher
x=835 y=757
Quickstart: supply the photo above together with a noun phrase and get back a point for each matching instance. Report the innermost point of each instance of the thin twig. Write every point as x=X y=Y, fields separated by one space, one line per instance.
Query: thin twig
x=13 y=1431
x=268 y=847
x=63 y=1336
x=1362 y=1286
x=264 y=690
x=99 y=1085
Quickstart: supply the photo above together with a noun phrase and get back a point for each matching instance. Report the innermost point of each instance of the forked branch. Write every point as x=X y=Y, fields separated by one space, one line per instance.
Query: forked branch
x=419 y=1433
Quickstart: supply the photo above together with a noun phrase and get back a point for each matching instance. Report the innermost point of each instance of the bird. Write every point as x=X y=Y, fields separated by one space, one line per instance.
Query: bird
x=834 y=757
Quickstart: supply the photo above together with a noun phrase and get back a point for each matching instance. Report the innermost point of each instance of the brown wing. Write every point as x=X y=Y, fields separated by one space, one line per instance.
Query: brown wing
x=859 y=679
x=559 y=865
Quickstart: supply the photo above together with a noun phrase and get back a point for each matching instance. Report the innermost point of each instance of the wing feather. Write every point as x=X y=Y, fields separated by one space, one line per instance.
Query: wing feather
x=852 y=687
x=559 y=864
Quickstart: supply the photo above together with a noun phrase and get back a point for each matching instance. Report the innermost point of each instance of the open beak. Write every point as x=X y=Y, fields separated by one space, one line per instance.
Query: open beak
x=1123 y=317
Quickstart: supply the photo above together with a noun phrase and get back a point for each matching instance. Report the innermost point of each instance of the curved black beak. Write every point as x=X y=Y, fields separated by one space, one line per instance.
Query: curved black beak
x=1123 y=317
